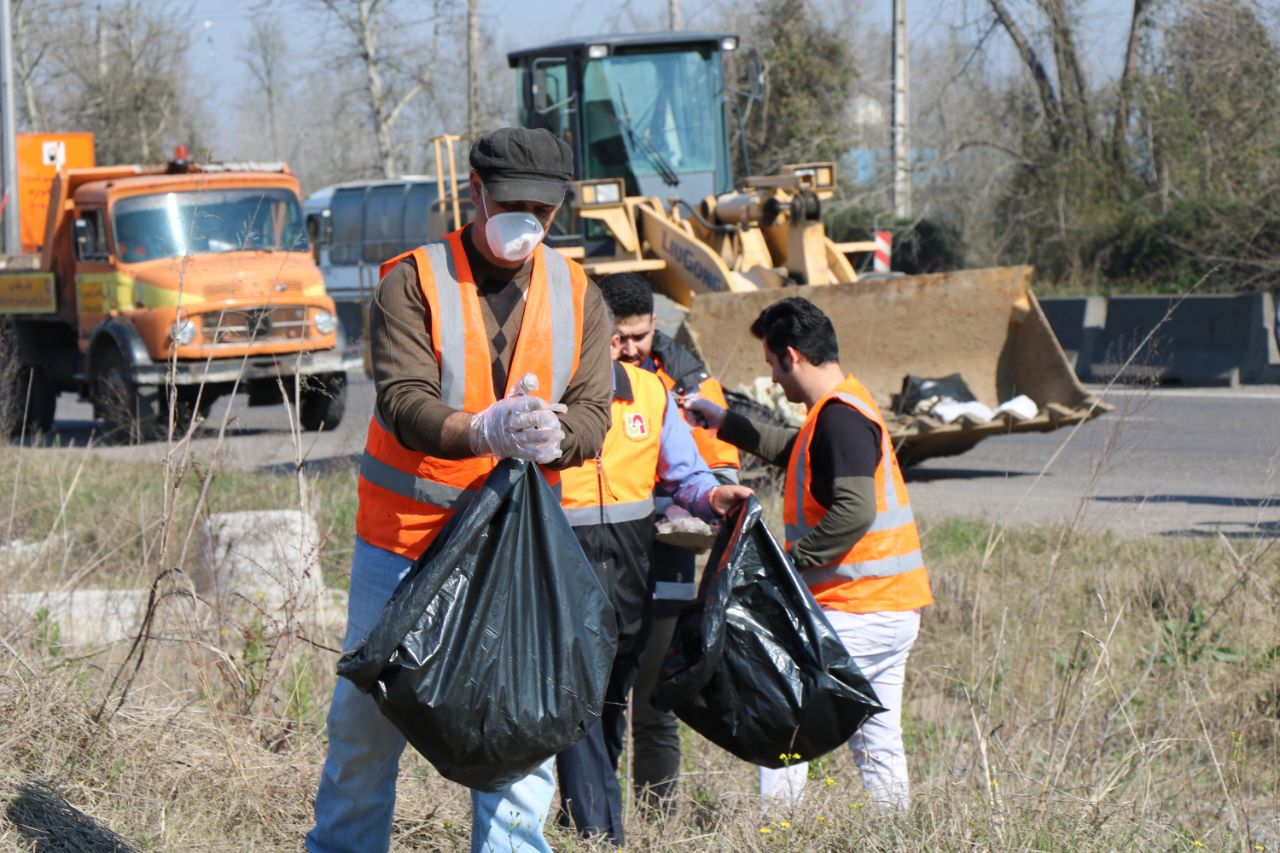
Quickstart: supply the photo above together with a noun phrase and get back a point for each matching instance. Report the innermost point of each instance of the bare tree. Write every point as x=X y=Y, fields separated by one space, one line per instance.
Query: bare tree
x=28 y=51
x=124 y=80
x=389 y=84
x=266 y=56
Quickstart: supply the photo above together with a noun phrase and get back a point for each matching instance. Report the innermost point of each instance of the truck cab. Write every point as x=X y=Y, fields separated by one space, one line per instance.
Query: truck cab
x=169 y=286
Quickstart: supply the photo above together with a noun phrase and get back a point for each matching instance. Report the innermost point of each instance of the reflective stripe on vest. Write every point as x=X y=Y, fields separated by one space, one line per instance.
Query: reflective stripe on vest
x=582 y=516
x=882 y=568
x=563 y=321
x=674 y=591
x=414 y=488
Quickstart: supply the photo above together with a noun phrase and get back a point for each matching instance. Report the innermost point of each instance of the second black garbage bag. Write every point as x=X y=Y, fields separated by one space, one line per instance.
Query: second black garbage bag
x=494 y=652
x=754 y=665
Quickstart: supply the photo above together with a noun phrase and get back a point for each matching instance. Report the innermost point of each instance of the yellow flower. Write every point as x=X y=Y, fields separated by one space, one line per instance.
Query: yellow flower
x=1196 y=844
x=764 y=830
x=822 y=819
x=829 y=782
x=786 y=824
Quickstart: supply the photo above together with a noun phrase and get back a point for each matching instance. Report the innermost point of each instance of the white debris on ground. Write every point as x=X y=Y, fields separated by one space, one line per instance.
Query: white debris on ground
x=1021 y=407
x=769 y=394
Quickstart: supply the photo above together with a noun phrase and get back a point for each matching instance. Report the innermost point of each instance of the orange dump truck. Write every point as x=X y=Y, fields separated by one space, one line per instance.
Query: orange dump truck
x=160 y=288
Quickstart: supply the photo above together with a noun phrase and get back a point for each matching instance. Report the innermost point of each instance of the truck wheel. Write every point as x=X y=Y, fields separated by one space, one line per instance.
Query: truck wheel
x=322 y=401
x=31 y=402
x=130 y=413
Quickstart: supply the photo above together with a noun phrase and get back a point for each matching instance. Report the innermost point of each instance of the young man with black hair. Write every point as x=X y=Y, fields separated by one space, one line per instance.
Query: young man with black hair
x=656 y=734
x=849 y=527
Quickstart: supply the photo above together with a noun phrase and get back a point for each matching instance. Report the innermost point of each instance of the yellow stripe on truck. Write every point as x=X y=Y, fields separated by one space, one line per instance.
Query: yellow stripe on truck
x=101 y=292
x=27 y=293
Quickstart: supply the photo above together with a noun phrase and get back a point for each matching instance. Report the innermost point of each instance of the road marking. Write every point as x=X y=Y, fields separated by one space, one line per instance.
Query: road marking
x=1271 y=393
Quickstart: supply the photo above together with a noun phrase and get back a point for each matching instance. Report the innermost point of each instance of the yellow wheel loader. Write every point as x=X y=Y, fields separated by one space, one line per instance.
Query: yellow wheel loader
x=646 y=116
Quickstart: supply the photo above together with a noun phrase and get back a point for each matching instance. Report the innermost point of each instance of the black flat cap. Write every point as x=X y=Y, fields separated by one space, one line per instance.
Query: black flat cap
x=518 y=164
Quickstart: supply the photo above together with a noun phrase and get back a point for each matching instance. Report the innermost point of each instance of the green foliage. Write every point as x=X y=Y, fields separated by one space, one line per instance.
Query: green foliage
x=810 y=74
x=1187 y=641
x=1189 y=186
x=48 y=633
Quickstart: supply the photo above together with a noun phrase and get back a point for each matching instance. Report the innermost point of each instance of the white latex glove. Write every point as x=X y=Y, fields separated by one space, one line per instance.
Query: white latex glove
x=519 y=426
x=699 y=411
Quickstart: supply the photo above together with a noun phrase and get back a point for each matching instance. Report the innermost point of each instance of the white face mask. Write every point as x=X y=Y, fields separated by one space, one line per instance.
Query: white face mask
x=511 y=235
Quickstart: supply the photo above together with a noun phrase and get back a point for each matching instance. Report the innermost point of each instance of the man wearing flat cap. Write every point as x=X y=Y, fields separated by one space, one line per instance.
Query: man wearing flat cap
x=486 y=345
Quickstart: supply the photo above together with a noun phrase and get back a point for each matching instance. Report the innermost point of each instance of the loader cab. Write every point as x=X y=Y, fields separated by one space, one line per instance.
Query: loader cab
x=649 y=109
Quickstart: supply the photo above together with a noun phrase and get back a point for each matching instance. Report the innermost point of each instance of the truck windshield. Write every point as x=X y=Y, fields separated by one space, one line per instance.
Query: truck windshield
x=656 y=119
x=167 y=225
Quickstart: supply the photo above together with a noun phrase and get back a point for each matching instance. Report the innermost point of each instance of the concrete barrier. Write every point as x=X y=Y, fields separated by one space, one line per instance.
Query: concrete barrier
x=1212 y=339
x=269 y=557
x=1077 y=322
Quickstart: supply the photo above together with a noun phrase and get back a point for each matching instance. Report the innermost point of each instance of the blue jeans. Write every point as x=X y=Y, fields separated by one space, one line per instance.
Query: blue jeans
x=357 y=793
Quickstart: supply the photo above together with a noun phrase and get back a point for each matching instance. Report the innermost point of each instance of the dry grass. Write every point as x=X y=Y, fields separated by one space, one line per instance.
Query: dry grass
x=1068 y=692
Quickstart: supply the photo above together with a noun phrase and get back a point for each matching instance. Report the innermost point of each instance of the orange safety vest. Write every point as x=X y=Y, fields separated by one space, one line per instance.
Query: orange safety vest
x=618 y=484
x=407 y=496
x=720 y=456
x=884 y=570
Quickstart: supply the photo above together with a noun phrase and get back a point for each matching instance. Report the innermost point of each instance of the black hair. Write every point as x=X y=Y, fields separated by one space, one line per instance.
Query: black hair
x=797 y=322
x=627 y=294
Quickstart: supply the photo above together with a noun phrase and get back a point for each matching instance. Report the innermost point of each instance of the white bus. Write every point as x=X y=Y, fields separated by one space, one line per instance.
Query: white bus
x=357 y=225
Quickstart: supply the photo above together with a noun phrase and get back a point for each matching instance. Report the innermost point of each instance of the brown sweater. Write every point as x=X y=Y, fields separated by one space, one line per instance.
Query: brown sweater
x=407 y=375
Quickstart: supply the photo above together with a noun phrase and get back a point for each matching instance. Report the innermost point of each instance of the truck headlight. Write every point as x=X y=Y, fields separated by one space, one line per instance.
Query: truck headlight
x=183 y=332
x=326 y=323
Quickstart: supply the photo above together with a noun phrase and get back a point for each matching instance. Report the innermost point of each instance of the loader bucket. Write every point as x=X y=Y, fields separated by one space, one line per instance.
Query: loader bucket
x=983 y=324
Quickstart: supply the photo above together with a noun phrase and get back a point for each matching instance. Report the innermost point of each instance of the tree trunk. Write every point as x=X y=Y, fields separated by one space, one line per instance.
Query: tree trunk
x=1124 y=88
x=1072 y=89
x=1048 y=100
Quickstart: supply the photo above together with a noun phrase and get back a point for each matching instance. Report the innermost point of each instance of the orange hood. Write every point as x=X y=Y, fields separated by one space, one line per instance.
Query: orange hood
x=234 y=276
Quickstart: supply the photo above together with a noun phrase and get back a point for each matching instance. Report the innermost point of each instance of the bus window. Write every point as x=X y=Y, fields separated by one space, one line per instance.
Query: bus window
x=417 y=214
x=347 y=209
x=383 y=211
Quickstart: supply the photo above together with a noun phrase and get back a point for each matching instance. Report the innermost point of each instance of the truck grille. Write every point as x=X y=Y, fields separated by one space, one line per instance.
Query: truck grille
x=241 y=326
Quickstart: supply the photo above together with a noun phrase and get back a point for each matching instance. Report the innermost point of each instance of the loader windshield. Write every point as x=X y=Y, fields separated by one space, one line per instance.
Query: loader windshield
x=173 y=224
x=656 y=119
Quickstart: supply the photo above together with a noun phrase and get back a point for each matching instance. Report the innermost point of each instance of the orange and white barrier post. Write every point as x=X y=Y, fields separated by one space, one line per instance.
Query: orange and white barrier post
x=884 y=251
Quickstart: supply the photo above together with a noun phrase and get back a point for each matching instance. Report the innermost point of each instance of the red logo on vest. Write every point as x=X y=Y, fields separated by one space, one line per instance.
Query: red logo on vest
x=637 y=426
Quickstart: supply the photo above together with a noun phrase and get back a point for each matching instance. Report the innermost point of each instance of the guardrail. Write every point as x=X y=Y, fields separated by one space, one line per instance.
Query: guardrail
x=1211 y=339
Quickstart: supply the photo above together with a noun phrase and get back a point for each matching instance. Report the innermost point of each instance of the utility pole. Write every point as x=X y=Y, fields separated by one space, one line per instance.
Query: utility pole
x=473 y=77
x=673 y=15
x=9 y=130
x=901 y=163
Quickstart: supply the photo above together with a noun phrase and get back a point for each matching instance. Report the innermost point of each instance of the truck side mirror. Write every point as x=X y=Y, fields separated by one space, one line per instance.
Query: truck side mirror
x=82 y=237
x=326 y=227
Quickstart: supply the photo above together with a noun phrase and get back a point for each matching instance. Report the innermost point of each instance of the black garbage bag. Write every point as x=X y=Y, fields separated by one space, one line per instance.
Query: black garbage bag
x=494 y=652
x=919 y=394
x=754 y=666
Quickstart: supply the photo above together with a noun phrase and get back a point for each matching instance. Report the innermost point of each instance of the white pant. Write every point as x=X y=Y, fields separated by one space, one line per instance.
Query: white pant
x=879 y=644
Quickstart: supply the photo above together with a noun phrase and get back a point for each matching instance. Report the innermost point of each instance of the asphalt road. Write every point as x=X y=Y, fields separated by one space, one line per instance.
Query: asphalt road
x=1197 y=461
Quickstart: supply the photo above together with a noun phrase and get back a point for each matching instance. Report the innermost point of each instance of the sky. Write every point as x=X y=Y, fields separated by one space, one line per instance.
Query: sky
x=219 y=28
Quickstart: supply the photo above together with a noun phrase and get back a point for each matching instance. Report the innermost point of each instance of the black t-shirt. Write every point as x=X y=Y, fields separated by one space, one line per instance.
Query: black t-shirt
x=846 y=443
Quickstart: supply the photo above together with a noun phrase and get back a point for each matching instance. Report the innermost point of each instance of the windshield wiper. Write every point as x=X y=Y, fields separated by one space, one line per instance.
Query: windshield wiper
x=665 y=170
